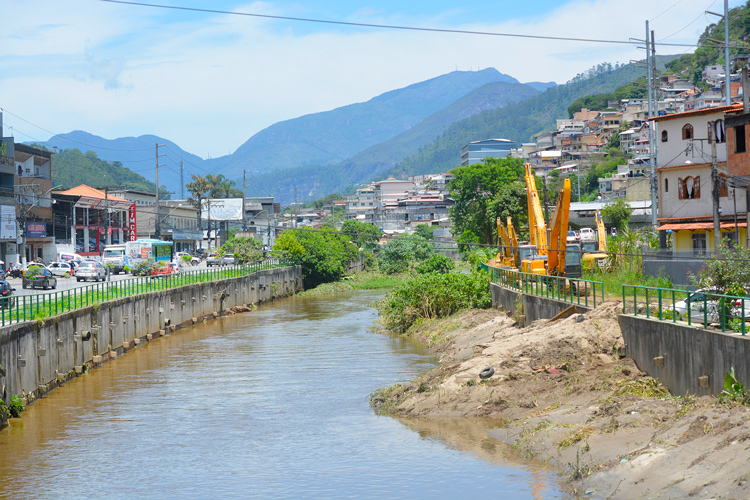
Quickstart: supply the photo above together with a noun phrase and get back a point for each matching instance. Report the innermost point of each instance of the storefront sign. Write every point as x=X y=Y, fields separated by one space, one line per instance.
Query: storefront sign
x=36 y=230
x=131 y=223
x=8 y=227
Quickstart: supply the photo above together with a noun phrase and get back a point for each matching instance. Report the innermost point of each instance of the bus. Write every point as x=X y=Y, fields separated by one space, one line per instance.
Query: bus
x=143 y=249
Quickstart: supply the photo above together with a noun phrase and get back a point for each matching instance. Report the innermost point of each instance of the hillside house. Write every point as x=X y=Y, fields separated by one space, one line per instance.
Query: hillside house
x=684 y=180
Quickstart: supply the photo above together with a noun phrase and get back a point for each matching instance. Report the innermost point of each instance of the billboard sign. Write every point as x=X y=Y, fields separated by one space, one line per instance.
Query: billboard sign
x=133 y=234
x=36 y=230
x=222 y=209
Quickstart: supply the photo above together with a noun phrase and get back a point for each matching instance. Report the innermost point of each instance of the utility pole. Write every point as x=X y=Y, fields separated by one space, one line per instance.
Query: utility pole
x=715 y=188
x=244 y=195
x=296 y=207
x=651 y=140
x=182 y=181
x=157 y=229
x=727 y=66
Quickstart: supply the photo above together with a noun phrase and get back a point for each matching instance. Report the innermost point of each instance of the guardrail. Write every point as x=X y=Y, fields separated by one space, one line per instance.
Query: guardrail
x=18 y=308
x=698 y=308
x=573 y=290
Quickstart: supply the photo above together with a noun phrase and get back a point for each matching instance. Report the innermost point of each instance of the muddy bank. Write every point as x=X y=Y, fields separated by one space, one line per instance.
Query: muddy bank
x=560 y=393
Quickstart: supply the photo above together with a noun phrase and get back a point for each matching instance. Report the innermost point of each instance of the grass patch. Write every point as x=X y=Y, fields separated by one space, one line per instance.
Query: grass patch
x=645 y=387
x=613 y=281
x=576 y=436
x=383 y=400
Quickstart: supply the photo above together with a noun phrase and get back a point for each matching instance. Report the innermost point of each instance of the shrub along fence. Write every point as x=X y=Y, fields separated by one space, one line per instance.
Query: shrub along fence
x=30 y=307
x=577 y=291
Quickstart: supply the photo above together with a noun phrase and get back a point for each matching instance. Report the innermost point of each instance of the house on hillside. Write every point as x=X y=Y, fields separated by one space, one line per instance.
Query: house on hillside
x=684 y=181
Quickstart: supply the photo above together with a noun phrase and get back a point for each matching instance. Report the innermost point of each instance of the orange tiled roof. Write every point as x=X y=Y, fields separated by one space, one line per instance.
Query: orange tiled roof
x=89 y=192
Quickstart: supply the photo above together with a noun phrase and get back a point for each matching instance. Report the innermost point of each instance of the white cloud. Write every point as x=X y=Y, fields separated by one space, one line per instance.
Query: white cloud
x=208 y=82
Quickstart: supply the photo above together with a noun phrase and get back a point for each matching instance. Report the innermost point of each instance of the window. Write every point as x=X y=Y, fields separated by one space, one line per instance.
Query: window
x=739 y=139
x=687 y=132
x=699 y=243
x=663 y=136
x=666 y=185
x=723 y=190
x=689 y=188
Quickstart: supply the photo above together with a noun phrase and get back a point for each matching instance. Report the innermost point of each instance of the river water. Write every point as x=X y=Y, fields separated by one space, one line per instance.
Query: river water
x=268 y=404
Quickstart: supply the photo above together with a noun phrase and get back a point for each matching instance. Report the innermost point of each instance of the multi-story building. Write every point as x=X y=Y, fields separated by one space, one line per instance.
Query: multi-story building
x=476 y=151
x=684 y=179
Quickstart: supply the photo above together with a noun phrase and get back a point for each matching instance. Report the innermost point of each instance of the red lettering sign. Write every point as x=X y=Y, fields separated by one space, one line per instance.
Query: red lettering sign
x=131 y=223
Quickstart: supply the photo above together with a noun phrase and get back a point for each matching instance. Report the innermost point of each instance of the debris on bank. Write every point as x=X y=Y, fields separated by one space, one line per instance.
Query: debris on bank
x=566 y=396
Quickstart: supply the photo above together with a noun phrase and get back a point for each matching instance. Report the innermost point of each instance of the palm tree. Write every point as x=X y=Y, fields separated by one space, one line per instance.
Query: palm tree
x=221 y=187
x=199 y=190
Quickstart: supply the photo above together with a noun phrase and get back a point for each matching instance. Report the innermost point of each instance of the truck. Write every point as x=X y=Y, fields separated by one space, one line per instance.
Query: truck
x=143 y=249
x=116 y=256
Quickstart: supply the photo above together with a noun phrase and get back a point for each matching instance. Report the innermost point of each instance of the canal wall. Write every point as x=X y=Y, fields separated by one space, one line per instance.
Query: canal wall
x=37 y=356
x=529 y=308
x=686 y=359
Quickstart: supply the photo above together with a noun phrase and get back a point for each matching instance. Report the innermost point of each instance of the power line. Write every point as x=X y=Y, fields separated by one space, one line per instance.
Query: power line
x=393 y=27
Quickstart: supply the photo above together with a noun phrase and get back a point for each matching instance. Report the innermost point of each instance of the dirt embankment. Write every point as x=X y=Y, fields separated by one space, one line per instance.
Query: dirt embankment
x=567 y=398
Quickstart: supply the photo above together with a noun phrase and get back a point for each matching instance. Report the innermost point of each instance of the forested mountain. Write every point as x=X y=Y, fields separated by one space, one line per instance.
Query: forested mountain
x=335 y=135
x=71 y=167
x=138 y=154
x=519 y=121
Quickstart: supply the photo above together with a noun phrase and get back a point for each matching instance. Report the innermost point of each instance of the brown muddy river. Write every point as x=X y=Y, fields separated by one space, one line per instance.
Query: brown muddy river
x=267 y=404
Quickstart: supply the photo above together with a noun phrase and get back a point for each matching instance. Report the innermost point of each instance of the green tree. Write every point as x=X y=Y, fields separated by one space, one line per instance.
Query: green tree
x=481 y=193
x=221 y=187
x=424 y=230
x=245 y=249
x=323 y=254
x=617 y=213
x=728 y=274
x=364 y=235
x=402 y=253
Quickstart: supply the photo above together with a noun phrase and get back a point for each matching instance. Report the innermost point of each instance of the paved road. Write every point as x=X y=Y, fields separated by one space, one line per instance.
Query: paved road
x=72 y=283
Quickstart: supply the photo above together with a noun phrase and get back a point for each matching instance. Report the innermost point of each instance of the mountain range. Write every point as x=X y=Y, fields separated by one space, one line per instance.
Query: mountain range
x=419 y=127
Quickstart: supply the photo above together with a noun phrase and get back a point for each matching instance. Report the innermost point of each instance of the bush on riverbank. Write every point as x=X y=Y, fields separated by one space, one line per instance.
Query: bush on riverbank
x=368 y=280
x=402 y=253
x=323 y=254
x=434 y=295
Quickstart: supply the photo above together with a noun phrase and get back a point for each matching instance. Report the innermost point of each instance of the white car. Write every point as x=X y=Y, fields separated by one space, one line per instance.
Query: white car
x=587 y=234
x=572 y=237
x=91 y=270
x=704 y=306
x=61 y=269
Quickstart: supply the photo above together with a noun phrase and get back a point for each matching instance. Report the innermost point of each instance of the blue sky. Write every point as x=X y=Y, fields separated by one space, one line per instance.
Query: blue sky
x=210 y=81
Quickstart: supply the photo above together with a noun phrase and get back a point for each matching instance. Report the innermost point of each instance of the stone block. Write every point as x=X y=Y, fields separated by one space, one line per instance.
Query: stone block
x=703 y=381
x=97 y=360
x=79 y=369
x=149 y=336
x=112 y=354
x=137 y=341
x=161 y=333
x=659 y=361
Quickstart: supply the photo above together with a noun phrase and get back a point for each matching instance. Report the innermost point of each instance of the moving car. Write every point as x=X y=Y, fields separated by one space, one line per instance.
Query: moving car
x=39 y=277
x=6 y=295
x=213 y=259
x=61 y=269
x=162 y=269
x=91 y=270
x=228 y=259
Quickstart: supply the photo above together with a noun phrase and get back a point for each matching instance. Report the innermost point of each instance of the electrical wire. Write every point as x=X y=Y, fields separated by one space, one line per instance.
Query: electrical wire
x=392 y=27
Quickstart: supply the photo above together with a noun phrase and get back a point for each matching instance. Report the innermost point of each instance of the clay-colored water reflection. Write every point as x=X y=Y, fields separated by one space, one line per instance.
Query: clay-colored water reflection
x=267 y=404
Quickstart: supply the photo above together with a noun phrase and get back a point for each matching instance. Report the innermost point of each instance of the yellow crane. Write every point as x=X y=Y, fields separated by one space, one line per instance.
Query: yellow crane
x=558 y=237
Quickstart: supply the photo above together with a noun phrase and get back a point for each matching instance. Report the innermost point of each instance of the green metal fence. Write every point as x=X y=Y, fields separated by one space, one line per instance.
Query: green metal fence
x=699 y=308
x=573 y=290
x=18 y=308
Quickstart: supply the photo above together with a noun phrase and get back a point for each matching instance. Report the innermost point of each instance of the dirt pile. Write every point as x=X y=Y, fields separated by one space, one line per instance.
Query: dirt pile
x=566 y=396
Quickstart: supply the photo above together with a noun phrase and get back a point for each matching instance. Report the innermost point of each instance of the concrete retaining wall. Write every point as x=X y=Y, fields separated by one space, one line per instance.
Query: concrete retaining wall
x=686 y=359
x=534 y=307
x=37 y=356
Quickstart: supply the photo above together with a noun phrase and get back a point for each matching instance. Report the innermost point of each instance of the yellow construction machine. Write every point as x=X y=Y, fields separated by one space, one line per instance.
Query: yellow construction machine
x=508 y=255
x=596 y=258
x=533 y=257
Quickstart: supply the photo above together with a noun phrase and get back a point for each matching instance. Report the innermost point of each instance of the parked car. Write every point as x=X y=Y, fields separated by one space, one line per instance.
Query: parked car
x=704 y=305
x=587 y=234
x=6 y=295
x=91 y=270
x=61 y=269
x=572 y=237
x=39 y=277
x=175 y=265
x=228 y=259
